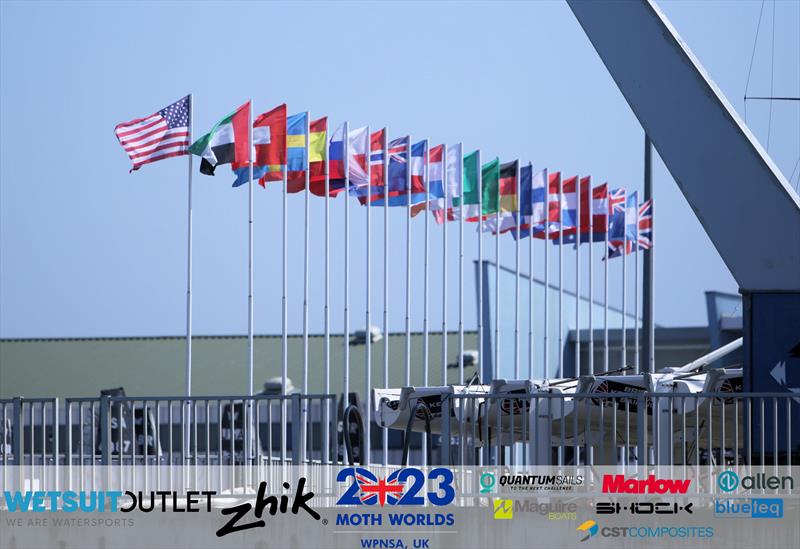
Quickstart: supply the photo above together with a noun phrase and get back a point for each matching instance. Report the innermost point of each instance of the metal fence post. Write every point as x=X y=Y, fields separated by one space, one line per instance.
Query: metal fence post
x=16 y=433
x=56 y=455
x=641 y=430
x=104 y=438
x=68 y=451
x=444 y=457
x=297 y=427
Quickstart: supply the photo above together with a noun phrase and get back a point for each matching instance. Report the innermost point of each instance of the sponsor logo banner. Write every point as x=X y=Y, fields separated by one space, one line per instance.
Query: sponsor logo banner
x=318 y=507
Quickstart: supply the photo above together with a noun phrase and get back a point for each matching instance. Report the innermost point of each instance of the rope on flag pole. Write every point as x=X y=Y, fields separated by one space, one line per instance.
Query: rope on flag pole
x=385 y=432
x=188 y=366
x=327 y=320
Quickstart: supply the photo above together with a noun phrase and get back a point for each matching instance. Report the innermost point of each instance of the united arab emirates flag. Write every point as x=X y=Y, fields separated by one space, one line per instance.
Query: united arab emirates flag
x=226 y=143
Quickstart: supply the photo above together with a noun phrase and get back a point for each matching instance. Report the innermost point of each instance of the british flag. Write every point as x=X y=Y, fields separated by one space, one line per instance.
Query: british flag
x=616 y=226
x=381 y=491
x=398 y=166
x=646 y=225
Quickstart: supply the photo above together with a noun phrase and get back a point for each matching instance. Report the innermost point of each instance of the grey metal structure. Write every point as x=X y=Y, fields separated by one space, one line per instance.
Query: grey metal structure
x=719 y=165
x=721 y=169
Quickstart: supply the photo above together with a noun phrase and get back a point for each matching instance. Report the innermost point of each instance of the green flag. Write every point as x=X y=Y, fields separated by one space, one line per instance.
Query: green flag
x=490 y=172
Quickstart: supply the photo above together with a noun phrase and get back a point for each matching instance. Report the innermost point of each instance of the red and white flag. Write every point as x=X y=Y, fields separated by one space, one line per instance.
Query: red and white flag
x=161 y=135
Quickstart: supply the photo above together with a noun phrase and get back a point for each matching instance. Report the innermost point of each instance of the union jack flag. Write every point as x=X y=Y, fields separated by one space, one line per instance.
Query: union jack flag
x=646 y=225
x=616 y=201
x=374 y=490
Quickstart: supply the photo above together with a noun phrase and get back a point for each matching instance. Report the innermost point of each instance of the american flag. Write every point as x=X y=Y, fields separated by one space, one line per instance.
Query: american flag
x=161 y=135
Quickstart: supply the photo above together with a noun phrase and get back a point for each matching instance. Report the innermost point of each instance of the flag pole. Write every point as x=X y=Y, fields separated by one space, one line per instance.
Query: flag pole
x=647 y=267
x=546 y=362
x=460 y=184
x=250 y=257
x=624 y=281
x=481 y=345
x=408 y=264
x=636 y=293
x=327 y=364
x=497 y=285
x=284 y=319
x=368 y=316
x=445 y=220
x=530 y=281
x=605 y=284
x=346 y=338
x=560 y=279
x=188 y=365
x=425 y=337
x=385 y=432
x=306 y=178
x=591 y=279
x=578 y=276
x=516 y=282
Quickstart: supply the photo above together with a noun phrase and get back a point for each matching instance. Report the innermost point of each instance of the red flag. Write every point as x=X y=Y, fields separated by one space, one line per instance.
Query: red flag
x=273 y=154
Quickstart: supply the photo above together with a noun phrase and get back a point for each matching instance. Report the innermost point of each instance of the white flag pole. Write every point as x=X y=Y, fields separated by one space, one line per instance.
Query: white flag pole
x=425 y=337
x=636 y=294
x=560 y=279
x=605 y=284
x=481 y=296
x=530 y=281
x=408 y=264
x=497 y=281
x=303 y=431
x=188 y=365
x=578 y=277
x=591 y=279
x=368 y=316
x=250 y=257
x=284 y=317
x=445 y=219
x=346 y=380
x=460 y=184
x=624 y=281
x=516 y=280
x=385 y=432
x=327 y=318
x=546 y=362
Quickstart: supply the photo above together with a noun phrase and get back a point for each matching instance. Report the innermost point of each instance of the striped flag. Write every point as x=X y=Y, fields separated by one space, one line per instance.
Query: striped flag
x=161 y=135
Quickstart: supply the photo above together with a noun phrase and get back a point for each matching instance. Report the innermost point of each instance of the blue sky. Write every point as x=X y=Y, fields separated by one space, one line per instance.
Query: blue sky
x=87 y=249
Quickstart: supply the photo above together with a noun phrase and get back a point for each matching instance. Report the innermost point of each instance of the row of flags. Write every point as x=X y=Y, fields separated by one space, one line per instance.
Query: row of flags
x=508 y=197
